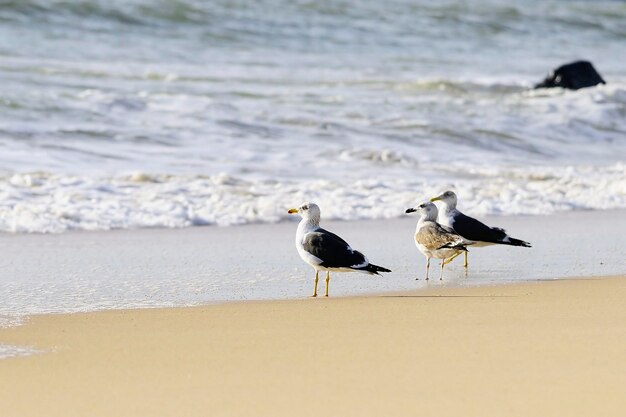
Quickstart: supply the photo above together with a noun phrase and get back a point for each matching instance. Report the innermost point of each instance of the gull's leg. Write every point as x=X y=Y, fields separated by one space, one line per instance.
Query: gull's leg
x=315 y=288
x=327 y=281
x=443 y=263
x=427 y=267
x=452 y=257
x=465 y=264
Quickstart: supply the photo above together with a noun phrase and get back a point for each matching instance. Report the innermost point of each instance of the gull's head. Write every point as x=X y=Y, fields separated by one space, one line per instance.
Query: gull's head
x=427 y=211
x=447 y=197
x=307 y=211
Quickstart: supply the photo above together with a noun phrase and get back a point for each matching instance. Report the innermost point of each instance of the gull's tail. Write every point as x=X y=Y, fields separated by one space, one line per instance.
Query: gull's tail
x=515 y=242
x=457 y=246
x=374 y=269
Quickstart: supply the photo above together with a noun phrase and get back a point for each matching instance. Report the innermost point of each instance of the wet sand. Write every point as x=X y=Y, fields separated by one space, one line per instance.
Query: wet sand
x=83 y=271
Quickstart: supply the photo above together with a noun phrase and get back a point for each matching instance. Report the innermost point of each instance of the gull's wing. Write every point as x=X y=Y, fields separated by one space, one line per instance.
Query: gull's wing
x=434 y=236
x=333 y=251
x=477 y=231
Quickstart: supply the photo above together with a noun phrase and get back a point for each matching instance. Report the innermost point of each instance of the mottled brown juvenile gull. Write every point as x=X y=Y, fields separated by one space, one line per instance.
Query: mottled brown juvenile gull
x=434 y=240
x=325 y=251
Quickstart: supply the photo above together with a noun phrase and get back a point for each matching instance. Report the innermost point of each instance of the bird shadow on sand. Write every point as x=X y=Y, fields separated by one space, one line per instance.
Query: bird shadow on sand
x=447 y=296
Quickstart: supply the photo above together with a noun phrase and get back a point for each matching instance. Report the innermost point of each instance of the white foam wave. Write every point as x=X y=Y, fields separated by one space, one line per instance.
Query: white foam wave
x=51 y=203
x=10 y=321
x=10 y=351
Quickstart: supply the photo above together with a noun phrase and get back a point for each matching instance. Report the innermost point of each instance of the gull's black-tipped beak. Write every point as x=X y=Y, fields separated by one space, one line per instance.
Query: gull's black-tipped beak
x=410 y=210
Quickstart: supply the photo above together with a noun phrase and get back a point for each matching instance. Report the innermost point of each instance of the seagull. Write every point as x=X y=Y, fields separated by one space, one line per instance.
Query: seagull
x=470 y=228
x=325 y=251
x=435 y=240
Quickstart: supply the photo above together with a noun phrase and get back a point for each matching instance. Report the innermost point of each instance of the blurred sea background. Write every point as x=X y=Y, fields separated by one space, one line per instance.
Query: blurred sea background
x=145 y=113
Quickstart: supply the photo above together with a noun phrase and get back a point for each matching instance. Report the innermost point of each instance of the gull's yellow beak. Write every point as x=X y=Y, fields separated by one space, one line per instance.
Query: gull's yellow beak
x=292 y=210
x=438 y=198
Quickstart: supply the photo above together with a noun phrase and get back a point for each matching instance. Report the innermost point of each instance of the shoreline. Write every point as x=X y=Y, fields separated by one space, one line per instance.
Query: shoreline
x=87 y=271
x=437 y=286
x=294 y=220
x=516 y=349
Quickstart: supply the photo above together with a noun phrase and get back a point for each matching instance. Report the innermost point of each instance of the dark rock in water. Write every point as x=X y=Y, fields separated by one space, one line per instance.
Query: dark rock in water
x=575 y=75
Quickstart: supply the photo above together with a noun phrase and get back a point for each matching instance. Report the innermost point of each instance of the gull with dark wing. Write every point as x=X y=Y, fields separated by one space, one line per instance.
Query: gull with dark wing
x=470 y=228
x=325 y=251
x=435 y=240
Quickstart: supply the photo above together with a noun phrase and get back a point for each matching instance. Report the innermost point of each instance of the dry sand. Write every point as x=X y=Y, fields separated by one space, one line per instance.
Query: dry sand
x=538 y=349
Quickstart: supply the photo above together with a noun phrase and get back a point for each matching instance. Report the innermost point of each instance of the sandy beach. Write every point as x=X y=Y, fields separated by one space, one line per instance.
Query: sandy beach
x=546 y=348
x=150 y=151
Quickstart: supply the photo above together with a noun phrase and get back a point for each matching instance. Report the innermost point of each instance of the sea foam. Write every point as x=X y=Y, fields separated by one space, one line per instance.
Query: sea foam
x=52 y=203
x=10 y=351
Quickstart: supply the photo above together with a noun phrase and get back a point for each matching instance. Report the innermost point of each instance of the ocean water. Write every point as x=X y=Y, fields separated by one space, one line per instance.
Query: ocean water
x=147 y=113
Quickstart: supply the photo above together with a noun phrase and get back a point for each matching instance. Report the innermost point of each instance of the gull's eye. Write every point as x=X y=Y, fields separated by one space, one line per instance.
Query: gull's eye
x=305 y=207
x=448 y=194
